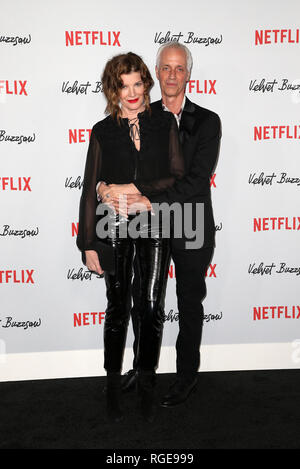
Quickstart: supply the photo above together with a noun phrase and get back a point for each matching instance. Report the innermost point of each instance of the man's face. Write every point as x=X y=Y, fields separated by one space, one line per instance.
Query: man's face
x=172 y=72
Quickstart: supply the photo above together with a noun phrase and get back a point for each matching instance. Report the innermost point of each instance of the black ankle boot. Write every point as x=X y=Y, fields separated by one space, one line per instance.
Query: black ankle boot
x=146 y=391
x=113 y=397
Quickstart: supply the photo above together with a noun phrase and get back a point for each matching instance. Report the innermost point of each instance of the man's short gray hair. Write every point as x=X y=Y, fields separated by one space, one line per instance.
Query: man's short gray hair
x=176 y=45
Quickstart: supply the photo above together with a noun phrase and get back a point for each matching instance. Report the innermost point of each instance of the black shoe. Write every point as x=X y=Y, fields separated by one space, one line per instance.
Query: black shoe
x=179 y=392
x=146 y=390
x=129 y=380
x=113 y=398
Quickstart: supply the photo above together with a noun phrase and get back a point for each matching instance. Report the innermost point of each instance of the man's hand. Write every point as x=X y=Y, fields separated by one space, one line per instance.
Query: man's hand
x=137 y=203
x=92 y=261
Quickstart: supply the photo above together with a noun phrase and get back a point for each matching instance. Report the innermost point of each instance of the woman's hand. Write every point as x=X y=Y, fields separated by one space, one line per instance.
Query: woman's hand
x=116 y=190
x=115 y=195
x=102 y=189
x=92 y=262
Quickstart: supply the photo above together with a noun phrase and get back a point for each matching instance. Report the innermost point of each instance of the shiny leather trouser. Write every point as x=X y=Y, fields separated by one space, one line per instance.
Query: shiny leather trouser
x=153 y=257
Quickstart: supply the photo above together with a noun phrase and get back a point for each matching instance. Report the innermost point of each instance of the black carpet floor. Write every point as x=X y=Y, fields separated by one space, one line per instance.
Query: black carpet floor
x=229 y=410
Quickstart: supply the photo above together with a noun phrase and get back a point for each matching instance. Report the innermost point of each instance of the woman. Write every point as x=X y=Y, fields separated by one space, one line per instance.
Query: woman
x=139 y=149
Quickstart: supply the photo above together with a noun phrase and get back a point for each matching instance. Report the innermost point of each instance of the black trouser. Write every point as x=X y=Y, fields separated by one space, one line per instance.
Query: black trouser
x=190 y=267
x=153 y=258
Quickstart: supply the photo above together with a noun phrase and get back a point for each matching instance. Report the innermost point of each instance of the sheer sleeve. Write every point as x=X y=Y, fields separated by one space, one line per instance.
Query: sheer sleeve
x=88 y=201
x=176 y=166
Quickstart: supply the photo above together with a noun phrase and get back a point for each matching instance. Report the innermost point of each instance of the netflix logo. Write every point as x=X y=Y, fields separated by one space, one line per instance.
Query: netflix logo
x=15 y=183
x=202 y=86
x=213 y=180
x=276 y=312
x=74 y=229
x=79 y=135
x=88 y=319
x=267 y=132
x=211 y=271
x=87 y=38
x=276 y=224
x=16 y=87
x=17 y=276
x=276 y=36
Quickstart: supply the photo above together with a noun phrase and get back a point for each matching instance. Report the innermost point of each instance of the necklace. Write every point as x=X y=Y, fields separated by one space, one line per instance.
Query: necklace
x=134 y=130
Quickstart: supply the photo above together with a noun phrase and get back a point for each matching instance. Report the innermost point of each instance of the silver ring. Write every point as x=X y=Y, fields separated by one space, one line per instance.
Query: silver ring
x=107 y=195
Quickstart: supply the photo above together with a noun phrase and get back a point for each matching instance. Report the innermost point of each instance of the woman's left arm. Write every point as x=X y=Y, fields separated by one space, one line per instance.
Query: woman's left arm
x=86 y=236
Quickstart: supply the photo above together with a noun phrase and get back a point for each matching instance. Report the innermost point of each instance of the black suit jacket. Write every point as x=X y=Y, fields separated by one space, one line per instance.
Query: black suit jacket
x=200 y=133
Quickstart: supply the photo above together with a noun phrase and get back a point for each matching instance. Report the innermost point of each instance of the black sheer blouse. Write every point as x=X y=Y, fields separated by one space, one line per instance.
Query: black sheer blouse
x=112 y=157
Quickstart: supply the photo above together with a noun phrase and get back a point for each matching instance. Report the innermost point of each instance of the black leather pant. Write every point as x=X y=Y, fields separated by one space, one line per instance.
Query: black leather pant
x=153 y=258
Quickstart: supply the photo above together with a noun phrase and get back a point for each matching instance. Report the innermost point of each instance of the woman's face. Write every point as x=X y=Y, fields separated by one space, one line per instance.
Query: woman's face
x=132 y=94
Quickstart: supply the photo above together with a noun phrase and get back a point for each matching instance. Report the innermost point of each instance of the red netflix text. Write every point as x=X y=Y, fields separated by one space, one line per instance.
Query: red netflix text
x=74 y=229
x=15 y=183
x=88 y=319
x=79 y=135
x=16 y=87
x=202 y=86
x=276 y=36
x=211 y=271
x=102 y=38
x=16 y=276
x=276 y=312
x=267 y=132
x=276 y=224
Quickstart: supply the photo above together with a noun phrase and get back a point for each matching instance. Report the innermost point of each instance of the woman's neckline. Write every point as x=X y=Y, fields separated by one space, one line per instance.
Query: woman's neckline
x=139 y=114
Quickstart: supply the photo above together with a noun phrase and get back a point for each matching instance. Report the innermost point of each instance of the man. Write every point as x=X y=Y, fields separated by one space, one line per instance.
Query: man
x=200 y=134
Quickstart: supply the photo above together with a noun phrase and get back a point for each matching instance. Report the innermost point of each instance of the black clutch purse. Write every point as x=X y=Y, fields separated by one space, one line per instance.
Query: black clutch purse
x=106 y=254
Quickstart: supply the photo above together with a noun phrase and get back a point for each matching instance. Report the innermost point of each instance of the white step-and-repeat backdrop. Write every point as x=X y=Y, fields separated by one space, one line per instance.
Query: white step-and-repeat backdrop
x=246 y=68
